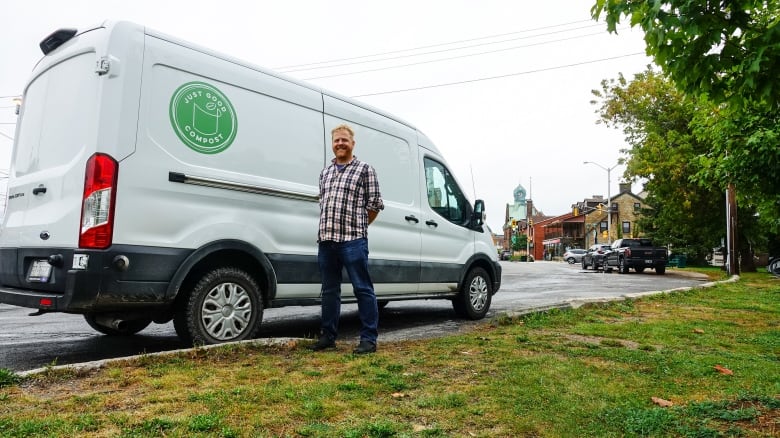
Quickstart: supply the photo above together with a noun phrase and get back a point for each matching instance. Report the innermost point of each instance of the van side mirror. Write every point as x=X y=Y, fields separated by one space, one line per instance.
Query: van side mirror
x=478 y=217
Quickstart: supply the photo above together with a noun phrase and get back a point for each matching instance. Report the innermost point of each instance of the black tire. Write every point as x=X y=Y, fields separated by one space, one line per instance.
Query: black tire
x=774 y=267
x=381 y=304
x=622 y=266
x=661 y=270
x=224 y=306
x=571 y=260
x=126 y=328
x=476 y=293
x=640 y=269
x=584 y=265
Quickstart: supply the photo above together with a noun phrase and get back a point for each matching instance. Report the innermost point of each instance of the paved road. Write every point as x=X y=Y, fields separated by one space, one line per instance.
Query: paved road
x=29 y=342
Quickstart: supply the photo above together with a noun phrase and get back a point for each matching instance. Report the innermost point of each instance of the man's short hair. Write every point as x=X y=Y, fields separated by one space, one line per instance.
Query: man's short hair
x=343 y=127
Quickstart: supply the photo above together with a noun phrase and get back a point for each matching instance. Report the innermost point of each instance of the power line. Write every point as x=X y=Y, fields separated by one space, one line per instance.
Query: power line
x=429 y=46
x=453 y=57
x=6 y=136
x=500 y=76
x=10 y=97
x=430 y=52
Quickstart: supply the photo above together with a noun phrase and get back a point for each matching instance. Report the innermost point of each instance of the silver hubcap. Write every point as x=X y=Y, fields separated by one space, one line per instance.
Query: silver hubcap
x=226 y=311
x=478 y=293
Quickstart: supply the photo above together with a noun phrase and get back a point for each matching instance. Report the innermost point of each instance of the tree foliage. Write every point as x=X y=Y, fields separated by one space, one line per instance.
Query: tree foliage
x=520 y=243
x=727 y=49
x=744 y=149
x=656 y=118
x=726 y=54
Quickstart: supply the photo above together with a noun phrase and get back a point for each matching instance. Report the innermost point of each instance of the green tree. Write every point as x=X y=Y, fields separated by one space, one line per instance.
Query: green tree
x=725 y=52
x=520 y=243
x=744 y=149
x=656 y=118
x=727 y=49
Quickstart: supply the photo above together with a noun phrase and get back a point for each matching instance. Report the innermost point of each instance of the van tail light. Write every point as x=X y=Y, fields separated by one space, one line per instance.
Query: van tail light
x=97 y=209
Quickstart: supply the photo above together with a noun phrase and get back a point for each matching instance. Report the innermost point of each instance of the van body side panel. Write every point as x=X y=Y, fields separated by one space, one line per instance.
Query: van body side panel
x=277 y=149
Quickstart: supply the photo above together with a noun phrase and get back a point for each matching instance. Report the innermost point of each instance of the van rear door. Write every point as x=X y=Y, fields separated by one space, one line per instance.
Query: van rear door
x=55 y=137
x=82 y=99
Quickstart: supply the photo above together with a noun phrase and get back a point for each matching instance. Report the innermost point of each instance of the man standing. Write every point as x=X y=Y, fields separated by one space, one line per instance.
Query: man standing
x=349 y=202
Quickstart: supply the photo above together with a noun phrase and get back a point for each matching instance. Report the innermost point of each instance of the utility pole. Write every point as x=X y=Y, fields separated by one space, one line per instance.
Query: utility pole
x=609 y=198
x=732 y=264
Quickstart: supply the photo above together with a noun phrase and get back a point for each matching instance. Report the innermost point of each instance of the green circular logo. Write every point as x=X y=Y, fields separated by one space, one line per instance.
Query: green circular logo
x=203 y=118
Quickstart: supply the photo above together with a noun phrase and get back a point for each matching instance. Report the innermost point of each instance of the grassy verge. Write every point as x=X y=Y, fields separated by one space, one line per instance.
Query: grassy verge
x=698 y=363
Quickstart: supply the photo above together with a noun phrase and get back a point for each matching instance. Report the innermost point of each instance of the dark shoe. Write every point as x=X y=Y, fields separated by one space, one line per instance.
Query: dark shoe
x=324 y=343
x=365 y=347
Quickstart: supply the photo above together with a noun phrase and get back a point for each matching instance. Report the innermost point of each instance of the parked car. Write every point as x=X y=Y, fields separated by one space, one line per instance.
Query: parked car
x=594 y=257
x=573 y=255
x=506 y=254
x=638 y=254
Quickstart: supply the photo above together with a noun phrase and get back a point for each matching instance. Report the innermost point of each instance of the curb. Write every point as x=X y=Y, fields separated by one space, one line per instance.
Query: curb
x=98 y=364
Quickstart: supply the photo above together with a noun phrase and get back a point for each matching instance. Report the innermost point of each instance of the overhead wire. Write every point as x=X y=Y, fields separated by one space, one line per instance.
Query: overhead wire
x=499 y=76
x=456 y=57
x=440 y=51
x=452 y=57
x=288 y=67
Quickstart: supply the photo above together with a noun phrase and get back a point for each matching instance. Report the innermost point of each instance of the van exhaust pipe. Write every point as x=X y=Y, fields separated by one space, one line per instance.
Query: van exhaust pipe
x=111 y=322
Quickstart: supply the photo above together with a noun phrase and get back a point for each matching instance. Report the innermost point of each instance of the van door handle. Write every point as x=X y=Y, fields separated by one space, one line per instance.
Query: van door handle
x=431 y=223
x=39 y=190
x=411 y=218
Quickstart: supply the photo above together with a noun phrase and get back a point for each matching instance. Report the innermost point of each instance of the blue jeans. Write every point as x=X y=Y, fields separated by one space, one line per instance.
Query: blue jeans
x=352 y=255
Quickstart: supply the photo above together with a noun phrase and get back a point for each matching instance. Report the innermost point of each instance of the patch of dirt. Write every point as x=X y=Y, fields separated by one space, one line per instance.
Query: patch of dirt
x=765 y=424
x=595 y=340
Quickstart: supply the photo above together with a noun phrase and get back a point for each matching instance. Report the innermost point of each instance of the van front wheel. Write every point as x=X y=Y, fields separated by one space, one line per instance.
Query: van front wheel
x=473 y=300
x=225 y=305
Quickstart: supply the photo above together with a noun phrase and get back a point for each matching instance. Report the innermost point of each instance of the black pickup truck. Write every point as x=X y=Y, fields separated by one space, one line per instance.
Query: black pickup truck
x=636 y=253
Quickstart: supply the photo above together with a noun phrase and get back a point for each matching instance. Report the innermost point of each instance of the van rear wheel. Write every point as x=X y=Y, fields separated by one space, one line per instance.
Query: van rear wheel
x=119 y=328
x=224 y=306
x=473 y=300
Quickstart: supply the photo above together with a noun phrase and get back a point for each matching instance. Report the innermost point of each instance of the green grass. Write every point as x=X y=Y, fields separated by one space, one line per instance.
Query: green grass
x=593 y=371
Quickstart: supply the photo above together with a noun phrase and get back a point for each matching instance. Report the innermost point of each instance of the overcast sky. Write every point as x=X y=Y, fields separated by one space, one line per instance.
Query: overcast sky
x=502 y=87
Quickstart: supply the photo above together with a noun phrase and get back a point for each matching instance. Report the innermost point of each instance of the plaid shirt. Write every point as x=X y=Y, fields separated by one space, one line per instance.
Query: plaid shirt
x=346 y=195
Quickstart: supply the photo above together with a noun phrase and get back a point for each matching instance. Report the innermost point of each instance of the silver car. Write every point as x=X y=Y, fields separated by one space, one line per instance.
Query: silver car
x=574 y=255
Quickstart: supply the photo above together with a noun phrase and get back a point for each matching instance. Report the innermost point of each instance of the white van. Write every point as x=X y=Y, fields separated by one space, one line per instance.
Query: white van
x=154 y=180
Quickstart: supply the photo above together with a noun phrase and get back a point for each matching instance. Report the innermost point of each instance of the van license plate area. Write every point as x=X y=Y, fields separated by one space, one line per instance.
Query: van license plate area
x=648 y=262
x=40 y=271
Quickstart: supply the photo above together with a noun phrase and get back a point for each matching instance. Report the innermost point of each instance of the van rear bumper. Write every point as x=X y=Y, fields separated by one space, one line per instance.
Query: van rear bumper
x=103 y=285
x=28 y=298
